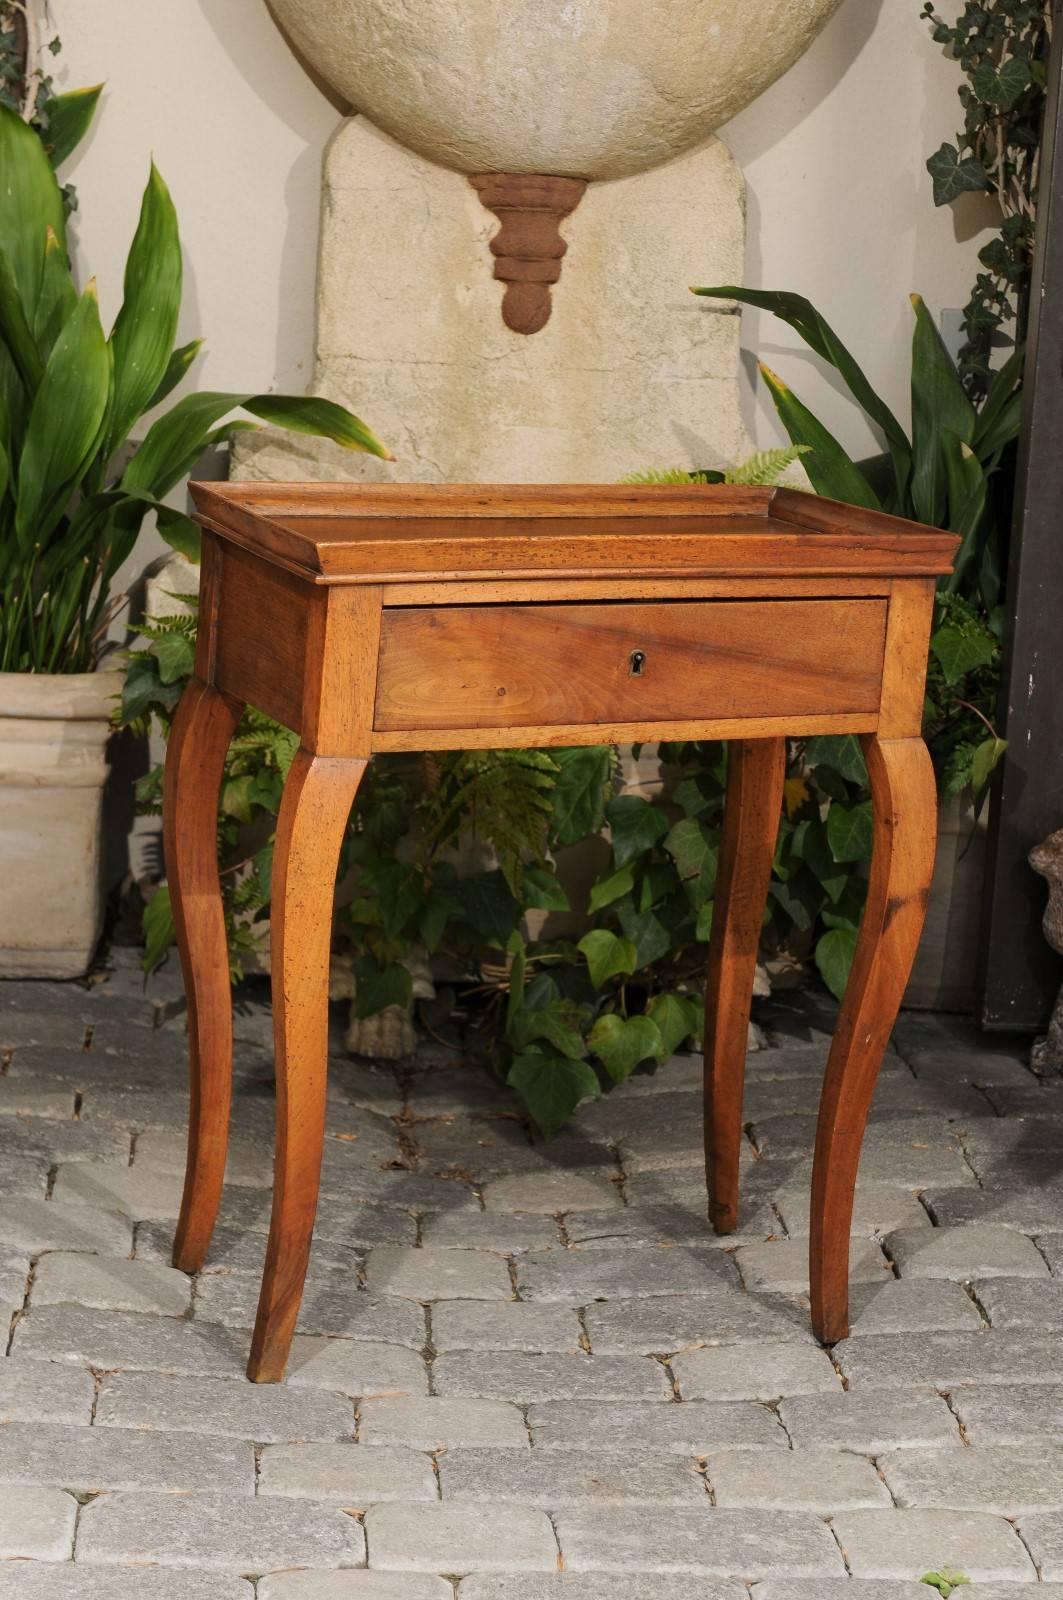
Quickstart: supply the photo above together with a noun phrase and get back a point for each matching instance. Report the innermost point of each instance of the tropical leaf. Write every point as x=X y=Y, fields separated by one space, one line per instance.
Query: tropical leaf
x=64 y=422
x=69 y=119
x=30 y=204
x=801 y=315
x=939 y=404
x=144 y=330
x=57 y=299
x=15 y=328
x=176 y=367
x=830 y=470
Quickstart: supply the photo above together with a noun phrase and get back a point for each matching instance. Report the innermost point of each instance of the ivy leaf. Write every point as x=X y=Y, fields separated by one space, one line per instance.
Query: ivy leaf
x=542 y=889
x=1001 y=87
x=159 y=931
x=621 y=1044
x=175 y=653
x=959 y=651
x=647 y=932
x=703 y=926
x=489 y=906
x=834 y=956
x=986 y=758
x=558 y=1023
x=606 y=890
x=693 y=849
x=847 y=910
x=635 y=825
x=842 y=751
x=849 y=831
x=821 y=860
x=677 y=1018
x=381 y=986
x=606 y=955
x=551 y=1087
x=579 y=791
x=953 y=176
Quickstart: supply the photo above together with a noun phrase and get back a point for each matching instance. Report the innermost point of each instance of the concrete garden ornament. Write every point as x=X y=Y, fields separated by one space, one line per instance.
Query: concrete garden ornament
x=535 y=101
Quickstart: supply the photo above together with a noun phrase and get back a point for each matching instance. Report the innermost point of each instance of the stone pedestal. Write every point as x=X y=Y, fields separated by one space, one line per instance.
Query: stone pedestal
x=631 y=370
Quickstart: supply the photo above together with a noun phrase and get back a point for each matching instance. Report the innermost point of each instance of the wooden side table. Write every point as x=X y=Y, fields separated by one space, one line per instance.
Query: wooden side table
x=406 y=617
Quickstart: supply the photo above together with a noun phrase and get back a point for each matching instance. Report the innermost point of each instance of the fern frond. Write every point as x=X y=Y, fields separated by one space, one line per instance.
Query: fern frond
x=659 y=475
x=766 y=466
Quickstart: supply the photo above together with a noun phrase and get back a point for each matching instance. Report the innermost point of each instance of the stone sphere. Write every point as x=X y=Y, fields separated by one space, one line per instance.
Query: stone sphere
x=578 y=88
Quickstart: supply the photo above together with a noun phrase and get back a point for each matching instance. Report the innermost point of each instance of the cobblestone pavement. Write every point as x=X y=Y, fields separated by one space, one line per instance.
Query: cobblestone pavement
x=524 y=1373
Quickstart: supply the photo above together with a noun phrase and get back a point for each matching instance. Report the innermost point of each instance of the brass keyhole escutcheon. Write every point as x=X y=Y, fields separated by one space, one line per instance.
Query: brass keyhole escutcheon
x=636 y=663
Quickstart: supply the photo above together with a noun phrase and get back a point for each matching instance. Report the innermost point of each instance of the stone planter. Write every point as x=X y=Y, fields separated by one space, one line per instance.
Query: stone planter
x=945 y=974
x=53 y=738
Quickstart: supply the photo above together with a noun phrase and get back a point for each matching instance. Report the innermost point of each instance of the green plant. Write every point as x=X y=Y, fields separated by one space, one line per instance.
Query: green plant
x=73 y=496
x=944 y=1581
x=945 y=473
x=1001 y=46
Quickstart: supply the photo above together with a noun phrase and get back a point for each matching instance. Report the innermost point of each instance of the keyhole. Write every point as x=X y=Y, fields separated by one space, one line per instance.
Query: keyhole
x=637 y=662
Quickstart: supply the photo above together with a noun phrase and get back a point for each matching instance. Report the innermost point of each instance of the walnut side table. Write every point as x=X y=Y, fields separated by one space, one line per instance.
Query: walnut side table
x=410 y=617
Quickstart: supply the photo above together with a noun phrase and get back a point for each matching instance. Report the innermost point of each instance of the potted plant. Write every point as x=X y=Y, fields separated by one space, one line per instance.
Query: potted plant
x=74 y=494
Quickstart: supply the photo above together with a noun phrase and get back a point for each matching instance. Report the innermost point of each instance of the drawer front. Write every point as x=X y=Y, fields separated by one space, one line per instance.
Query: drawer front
x=578 y=665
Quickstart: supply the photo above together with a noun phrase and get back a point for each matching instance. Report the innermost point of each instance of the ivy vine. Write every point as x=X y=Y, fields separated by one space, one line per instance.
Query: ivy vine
x=1002 y=48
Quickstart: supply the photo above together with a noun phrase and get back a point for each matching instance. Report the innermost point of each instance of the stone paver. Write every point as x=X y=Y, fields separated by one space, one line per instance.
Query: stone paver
x=563 y=1338
x=127 y=1339
x=1023 y=1415
x=217 y=1533
x=914 y=1305
x=552 y=1478
x=135 y=1191
x=36 y=1225
x=436 y=1274
x=1011 y=1482
x=459 y=1538
x=695 y=1428
x=111 y=1283
x=905 y=1544
x=948 y=1360
x=667 y=1323
x=826 y=1481
x=494 y=1375
x=761 y=1372
x=713 y=1541
x=33 y=1392
x=36 y=1524
x=576 y=1276
x=25 y=1580
x=978 y=1251
x=442 y=1424
x=225 y=1406
x=350 y=1474
x=86 y=1459
x=355 y=1368
x=1044 y=1538
x=333 y=1305
x=870 y=1421
x=504 y=1325
x=1020 y=1302
x=781 y=1266
x=359 y=1586
x=602 y=1586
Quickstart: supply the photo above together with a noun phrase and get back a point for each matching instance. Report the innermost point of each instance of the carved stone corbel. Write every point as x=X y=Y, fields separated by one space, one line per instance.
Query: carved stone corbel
x=528 y=247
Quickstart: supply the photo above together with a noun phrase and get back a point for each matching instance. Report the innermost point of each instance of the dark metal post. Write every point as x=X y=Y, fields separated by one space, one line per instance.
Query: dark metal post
x=1021 y=975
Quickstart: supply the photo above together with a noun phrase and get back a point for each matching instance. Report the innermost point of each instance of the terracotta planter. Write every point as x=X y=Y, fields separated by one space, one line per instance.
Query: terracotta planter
x=53 y=739
x=945 y=974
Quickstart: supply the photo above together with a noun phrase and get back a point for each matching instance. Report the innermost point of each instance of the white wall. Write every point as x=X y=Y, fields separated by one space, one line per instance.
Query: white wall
x=839 y=198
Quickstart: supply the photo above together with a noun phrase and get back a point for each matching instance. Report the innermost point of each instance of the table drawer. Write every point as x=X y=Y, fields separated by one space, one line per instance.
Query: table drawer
x=576 y=665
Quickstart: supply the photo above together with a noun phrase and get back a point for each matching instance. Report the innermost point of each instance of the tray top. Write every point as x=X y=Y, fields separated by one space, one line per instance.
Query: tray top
x=396 y=532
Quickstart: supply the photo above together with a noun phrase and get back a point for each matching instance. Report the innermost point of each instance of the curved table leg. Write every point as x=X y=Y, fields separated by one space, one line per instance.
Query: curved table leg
x=318 y=796
x=755 y=772
x=195 y=760
x=904 y=801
